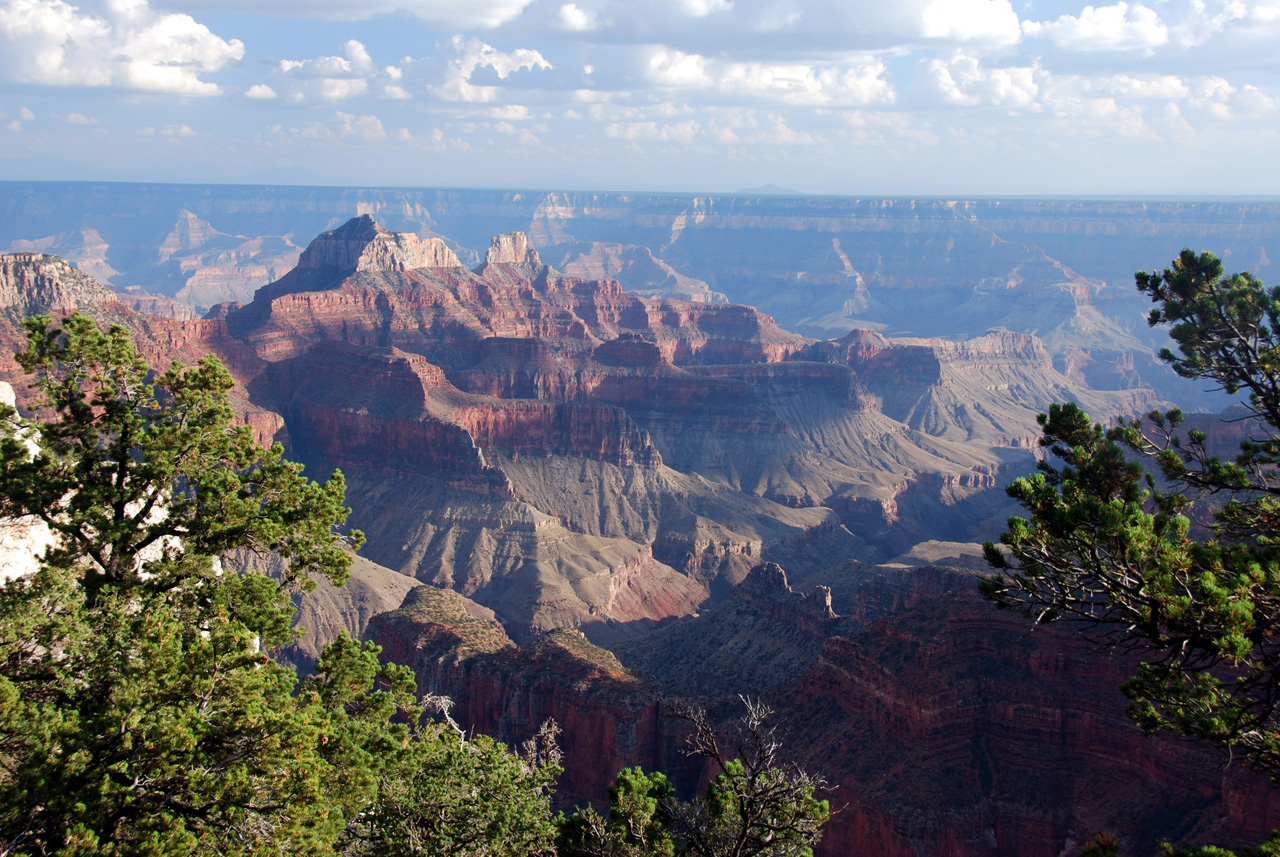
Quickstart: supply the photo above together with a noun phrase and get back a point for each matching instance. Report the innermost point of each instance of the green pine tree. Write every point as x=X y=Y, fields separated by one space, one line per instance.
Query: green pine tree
x=140 y=710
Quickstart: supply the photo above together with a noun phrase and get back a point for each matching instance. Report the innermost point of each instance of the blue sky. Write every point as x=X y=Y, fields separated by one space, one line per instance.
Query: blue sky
x=1170 y=97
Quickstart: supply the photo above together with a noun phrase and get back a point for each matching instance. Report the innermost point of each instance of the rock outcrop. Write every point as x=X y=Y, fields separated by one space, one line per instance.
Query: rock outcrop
x=941 y=725
x=513 y=249
x=35 y=284
x=610 y=717
x=363 y=245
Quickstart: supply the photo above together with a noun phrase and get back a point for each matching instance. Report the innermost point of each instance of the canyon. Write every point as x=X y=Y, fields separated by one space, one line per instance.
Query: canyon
x=1061 y=269
x=584 y=496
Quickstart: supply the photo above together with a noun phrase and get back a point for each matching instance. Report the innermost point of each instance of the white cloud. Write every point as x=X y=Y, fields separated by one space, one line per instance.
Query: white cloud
x=855 y=82
x=1252 y=102
x=670 y=67
x=472 y=54
x=971 y=20
x=365 y=128
x=1161 y=86
x=78 y=119
x=26 y=115
x=575 y=19
x=964 y=82
x=357 y=62
x=1119 y=27
x=446 y=14
x=331 y=78
x=513 y=112
x=703 y=8
x=260 y=91
x=804 y=84
x=14 y=125
x=682 y=132
x=178 y=131
x=340 y=88
x=1200 y=24
x=52 y=43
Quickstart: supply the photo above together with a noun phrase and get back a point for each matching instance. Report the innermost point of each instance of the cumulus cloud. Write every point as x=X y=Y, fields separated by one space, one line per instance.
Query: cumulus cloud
x=963 y=81
x=127 y=45
x=356 y=61
x=260 y=91
x=575 y=19
x=681 y=132
x=360 y=127
x=336 y=78
x=670 y=67
x=466 y=56
x=1158 y=86
x=1120 y=27
x=855 y=82
x=703 y=8
x=971 y=20
x=1117 y=103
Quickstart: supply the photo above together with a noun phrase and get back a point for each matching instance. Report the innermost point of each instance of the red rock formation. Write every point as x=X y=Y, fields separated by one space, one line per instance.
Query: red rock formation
x=610 y=717
x=943 y=726
x=953 y=730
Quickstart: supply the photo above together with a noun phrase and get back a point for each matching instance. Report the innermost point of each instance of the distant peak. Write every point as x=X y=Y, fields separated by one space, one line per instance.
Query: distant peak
x=360 y=228
x=362 y=244
x=512 y=249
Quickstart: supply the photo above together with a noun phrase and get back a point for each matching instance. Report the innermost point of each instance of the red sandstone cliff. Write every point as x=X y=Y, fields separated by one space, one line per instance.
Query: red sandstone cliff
x=942 y=725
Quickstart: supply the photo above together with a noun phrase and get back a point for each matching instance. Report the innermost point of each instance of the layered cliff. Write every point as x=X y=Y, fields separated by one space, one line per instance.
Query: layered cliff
x=1061 y=269
x=701 y=438
x=974 y=737
x=941 y=726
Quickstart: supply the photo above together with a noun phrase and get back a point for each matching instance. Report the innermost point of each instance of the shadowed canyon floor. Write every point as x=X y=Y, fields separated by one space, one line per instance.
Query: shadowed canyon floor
x=568 y=465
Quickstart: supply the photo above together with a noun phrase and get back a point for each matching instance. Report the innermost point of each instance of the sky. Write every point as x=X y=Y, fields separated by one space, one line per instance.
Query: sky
x=860 y=97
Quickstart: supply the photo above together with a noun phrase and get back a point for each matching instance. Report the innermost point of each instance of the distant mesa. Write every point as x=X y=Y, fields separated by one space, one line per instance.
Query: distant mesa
x=768 y=190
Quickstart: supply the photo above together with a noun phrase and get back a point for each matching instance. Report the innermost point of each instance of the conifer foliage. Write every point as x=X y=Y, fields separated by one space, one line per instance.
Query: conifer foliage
x=1109 y=543
x=140 y=711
